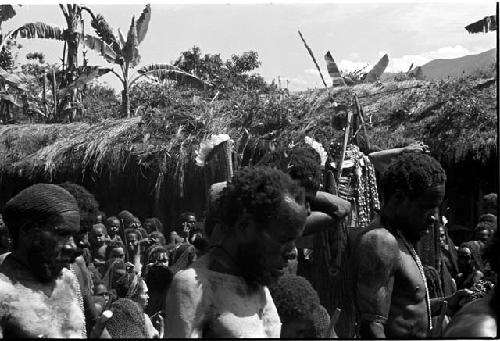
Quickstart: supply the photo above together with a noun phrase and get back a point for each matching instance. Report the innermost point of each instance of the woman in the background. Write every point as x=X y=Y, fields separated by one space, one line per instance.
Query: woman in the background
x=138 y=292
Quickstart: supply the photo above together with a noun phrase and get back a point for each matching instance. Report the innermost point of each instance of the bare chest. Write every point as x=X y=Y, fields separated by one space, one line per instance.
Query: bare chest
x=408 y=281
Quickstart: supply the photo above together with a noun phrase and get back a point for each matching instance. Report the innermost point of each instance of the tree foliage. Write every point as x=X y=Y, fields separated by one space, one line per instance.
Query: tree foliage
x=230 y=75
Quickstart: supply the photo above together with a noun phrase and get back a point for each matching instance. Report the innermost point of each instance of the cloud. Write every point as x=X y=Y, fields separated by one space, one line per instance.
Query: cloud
x=398 y=64
x=448 y=52
x=308 y=78
x=349 y=65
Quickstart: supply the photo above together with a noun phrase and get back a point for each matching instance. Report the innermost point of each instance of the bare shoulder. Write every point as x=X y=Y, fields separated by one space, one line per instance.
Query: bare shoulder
x=186 y=281
x=380 y=241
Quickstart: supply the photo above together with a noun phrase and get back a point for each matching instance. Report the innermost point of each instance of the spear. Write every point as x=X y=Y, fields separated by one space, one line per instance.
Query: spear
x=314 y=59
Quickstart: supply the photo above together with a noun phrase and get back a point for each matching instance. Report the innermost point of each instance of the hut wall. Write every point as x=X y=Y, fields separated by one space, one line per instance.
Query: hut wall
x=468 y=181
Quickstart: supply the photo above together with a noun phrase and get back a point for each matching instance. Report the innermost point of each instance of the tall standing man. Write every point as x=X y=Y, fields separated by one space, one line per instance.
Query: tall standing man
x=225 y=292
x=388 y=287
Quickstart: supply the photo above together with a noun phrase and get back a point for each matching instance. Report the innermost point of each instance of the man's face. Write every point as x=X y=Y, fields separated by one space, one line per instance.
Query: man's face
x=113 y=228
x=188 y=224
x=132 y=242
x=416 y=217
x=50 y=249
x=98 y=236
x=101 y=290
x=264 y=258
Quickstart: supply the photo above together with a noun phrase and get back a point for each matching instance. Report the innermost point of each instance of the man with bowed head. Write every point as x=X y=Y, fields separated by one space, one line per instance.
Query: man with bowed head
x=40 y=297
x=389 y=287
x=225 y=292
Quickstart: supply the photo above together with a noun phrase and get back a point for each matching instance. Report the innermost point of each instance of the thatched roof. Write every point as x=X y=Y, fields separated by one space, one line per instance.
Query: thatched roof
x=458 y=119
x=455 y=118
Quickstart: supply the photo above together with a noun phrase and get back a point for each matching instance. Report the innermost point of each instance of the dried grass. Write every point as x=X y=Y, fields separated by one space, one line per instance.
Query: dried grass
x=166 y=140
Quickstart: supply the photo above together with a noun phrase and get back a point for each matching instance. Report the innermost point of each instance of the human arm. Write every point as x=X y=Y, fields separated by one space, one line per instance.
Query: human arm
x=383 y=158
x=183 y=307
x=317 y=222
x=330 y=204
x=455 y=301
x=378 y=256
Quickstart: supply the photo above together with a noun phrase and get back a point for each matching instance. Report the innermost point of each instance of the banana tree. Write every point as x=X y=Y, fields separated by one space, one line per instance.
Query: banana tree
x=125 y=53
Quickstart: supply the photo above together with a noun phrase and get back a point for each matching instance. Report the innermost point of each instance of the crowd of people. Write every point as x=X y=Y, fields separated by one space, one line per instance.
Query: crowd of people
x=69 y=270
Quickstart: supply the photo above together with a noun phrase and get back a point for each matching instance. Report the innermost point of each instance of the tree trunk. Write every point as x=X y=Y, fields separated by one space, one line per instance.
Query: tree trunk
x=44 y=96
x=54 y=93
x=73 y=19
x=125 y=100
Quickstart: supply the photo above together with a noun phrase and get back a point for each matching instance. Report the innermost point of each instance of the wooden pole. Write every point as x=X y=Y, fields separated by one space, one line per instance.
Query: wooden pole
x=54 y=93
x=44 y=95
x=362 y=119
x=314 y=59
x=344 y=145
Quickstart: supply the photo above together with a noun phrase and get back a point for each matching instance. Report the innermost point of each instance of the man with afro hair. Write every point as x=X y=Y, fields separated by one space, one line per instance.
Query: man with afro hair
x=299 y=308
x=225 y=292
x=387 y=285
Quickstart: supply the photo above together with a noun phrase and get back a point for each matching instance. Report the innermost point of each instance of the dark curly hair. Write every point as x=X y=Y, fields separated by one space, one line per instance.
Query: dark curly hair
x=294 y=297
x=258 y=191
x=321 y=320
x=304 y=167
x=127 y=321
x=133 y=231
x=115 y=244
x=301 y=163
x=87 y=204
x=413 y=174
x=152 y=224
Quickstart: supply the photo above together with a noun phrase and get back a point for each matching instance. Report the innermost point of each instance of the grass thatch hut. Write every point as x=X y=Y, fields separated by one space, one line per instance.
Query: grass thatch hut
x=146 y=164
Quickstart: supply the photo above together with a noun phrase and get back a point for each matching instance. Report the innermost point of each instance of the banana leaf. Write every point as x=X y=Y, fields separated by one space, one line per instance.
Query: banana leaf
x=12 y=79
x=39 y=30
x=170 y=72
x=331 y=66
x=143 y=23
x=101 y=47
x=131 y=49
x=377 y=70
x=86 y=74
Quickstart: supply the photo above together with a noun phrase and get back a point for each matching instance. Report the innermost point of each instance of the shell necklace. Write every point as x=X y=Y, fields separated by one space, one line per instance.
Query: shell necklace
x=416 y=258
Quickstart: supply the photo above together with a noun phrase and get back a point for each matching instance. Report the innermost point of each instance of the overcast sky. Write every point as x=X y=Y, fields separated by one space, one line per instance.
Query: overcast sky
x=356 y=34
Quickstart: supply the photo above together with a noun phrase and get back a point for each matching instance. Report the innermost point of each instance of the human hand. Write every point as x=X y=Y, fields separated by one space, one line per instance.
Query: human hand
x=158 y=323
x=417 y=146
x=459 y=298
x=99 y=329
